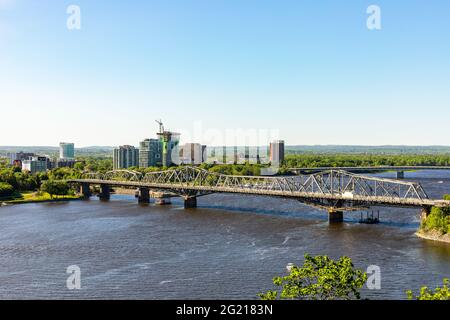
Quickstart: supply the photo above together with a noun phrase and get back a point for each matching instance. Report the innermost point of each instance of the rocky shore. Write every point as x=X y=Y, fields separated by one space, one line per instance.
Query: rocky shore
x=434 y=236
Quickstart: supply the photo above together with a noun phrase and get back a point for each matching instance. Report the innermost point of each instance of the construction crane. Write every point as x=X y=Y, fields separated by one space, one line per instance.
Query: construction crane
x=161 y=126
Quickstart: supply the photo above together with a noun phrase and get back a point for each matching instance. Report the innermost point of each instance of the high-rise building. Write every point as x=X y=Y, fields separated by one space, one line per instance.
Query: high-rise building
x=125 y=157
x=247 y=154
x=258 y=158
x=66 y=150
x=192 y=153
x=277 y=152
x=150 y=153
x=170 y=152
x=224 y=154
x=36 y=164
x=204 y=153
x=60 y=163
x=18 y=157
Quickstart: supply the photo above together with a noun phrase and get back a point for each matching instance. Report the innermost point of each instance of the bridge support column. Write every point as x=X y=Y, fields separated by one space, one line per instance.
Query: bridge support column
x=190 y=202
x=335 y=216
x=144 y=195
x=105 y=192
x=400 y=174
x=86 y=190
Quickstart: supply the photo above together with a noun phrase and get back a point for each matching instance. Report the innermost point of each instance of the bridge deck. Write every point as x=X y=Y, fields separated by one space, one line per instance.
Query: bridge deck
x=356 y=199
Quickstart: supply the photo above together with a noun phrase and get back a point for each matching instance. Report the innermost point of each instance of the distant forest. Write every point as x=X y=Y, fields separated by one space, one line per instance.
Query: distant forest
x=364 y=160
x=389 y=150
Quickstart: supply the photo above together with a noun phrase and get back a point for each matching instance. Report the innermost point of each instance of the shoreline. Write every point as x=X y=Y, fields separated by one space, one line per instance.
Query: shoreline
x=433 y=236
x=5 y=203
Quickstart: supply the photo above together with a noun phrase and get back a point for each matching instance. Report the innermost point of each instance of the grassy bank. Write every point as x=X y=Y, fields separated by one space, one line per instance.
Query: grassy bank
x=30 y=197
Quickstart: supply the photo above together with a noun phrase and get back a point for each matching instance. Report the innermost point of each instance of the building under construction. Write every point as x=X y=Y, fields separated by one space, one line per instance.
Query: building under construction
x=169 y=146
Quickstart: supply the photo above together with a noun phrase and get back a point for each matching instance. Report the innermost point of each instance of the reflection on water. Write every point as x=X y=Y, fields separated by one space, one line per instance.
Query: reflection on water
x=229 y=247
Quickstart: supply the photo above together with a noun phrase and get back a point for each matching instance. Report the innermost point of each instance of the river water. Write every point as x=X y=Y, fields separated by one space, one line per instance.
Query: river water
x=229 y=247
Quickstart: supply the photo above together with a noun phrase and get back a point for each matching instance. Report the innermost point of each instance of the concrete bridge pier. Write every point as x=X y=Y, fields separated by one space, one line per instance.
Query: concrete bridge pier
x=86 y=190
x=400 y=174
x=161 y=197
x=144 y=195
x=190 y=202
x=162 y=200
x=335 y=216
x=105 y=192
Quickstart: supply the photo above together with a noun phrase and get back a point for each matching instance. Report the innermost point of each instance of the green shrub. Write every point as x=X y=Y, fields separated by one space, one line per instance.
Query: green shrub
x=320 y=278
x=6 y=189
x=440 y=293
x=438 y=220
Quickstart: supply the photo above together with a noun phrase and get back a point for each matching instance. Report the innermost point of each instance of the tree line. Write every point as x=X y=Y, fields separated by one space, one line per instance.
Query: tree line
x=364 y=160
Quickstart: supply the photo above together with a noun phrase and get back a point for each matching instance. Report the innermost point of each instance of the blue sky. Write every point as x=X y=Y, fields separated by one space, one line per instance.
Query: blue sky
x=310 y=72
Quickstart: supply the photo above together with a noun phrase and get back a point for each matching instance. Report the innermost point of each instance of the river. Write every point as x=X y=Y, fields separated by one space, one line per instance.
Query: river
x=230 y=247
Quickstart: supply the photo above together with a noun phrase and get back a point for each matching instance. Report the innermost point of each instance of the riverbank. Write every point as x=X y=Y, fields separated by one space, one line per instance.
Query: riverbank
x=34 y=197
x=433 y=235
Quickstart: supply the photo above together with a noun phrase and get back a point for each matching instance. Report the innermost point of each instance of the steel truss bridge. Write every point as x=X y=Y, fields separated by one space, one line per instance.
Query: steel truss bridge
x=334 y=190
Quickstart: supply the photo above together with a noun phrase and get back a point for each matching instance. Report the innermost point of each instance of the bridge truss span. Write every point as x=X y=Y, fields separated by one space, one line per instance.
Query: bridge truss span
x=330 y=188
x=331 y=182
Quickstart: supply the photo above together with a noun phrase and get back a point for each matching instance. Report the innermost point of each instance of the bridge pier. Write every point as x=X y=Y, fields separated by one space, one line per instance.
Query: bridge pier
x=144 y=195
x=161 y=197
x=105 y=192
x=86 y=190
x=190 y=202
x=400 y=174
x=335 y=216
x=162 y=200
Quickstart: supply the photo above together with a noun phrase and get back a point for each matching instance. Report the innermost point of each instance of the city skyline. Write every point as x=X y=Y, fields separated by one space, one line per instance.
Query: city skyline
x=314 y=73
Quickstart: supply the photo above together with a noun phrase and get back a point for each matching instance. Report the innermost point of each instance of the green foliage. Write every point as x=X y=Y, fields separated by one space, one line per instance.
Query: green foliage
x=20 y=181
x=94 y=164
x=438 y=219
x=3 y=162
x=363 y=160
x=79 y=166
x=6 y=189
x=446 y=196
x=53 y=187
x=24 y=181
x=439 y=293
x=320 y=278
x=64 y=173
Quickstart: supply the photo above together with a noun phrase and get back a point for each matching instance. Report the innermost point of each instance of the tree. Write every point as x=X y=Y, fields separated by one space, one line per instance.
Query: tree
x=6 y=189
x=53 y=187
x=439 y=293
x=437 y=220
x=320 y=278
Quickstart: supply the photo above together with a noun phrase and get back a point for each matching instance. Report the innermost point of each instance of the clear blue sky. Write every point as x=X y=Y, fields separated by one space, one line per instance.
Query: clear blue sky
x=309 y=69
